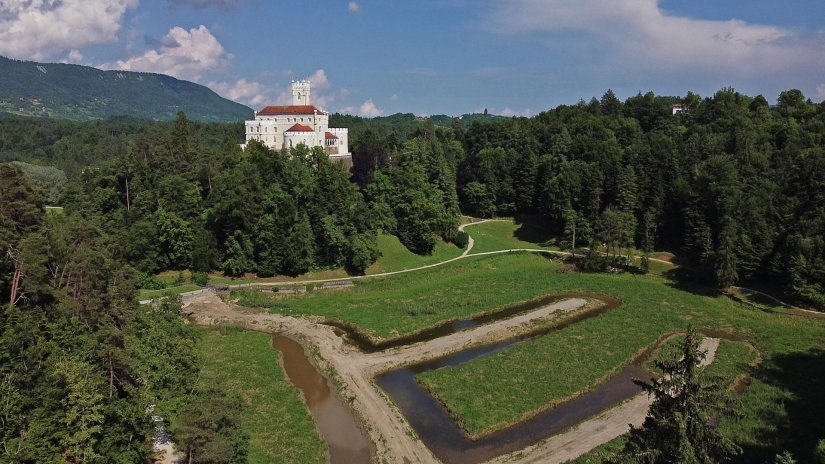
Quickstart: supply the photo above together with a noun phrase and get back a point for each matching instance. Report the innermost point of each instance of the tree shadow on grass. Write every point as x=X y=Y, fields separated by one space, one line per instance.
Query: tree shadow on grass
x=534 y=233
x=797 y=423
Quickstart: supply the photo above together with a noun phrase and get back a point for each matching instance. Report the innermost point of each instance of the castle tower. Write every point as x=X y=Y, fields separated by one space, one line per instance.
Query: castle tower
x=300 y=92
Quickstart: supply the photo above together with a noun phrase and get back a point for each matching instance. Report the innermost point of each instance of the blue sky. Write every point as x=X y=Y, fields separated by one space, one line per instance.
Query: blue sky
x=373 y=57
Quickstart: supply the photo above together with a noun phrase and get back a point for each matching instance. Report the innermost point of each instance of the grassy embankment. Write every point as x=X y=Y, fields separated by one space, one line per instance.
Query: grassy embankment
x=280 y=427
x=506 y=235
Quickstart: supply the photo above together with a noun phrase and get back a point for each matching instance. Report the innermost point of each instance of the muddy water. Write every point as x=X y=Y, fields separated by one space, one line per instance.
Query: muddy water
x=451 y=445
x=449 y=442
x=339 y=428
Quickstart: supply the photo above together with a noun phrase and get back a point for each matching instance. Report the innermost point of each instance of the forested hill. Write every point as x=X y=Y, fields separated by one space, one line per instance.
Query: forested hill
x=83 y=93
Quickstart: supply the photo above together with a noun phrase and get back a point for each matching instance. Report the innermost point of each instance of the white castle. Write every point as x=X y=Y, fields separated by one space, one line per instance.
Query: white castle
x=288 y=126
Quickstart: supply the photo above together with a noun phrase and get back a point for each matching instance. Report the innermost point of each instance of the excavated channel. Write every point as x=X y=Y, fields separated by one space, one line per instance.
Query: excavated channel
x=366 y=343
x=433 y=424
x=346 y=441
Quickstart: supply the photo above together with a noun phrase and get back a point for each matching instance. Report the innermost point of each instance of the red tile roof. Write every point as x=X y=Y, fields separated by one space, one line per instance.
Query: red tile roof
x=291 y=109
x=300 y=128
x=329 y=136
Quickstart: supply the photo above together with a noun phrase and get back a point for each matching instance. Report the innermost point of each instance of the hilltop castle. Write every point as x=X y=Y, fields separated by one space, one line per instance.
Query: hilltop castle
x=287 y=126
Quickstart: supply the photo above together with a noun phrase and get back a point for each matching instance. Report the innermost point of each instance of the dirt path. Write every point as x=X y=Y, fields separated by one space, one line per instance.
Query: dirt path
x=353 y=370
x=596 y=431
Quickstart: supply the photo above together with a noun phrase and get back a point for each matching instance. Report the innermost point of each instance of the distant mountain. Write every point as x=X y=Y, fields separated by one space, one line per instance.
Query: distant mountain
x=82 y=93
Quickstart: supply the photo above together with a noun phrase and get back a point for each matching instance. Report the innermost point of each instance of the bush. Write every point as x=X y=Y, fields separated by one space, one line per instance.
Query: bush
x=200 y=279
x=149 y=282
x=458 y=238
x=593 y=262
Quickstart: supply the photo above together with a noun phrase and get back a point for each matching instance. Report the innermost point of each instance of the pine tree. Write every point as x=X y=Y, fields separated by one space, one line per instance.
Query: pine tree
x=677 y=428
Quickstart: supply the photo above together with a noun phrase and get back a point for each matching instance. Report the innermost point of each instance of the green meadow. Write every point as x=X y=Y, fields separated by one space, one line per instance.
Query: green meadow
x=280 y=427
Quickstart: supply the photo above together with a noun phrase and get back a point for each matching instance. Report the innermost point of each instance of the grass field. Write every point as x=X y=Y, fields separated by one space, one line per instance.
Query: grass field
x=505 y=235
x=396 y=257
x=280 y=427
x=583 y=355
x=402 y=304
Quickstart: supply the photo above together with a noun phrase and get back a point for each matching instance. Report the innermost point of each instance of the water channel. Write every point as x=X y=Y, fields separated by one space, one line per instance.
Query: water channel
x=336 y=422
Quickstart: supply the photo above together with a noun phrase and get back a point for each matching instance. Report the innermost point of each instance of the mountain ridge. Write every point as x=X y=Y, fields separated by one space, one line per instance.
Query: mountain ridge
x=83 y=93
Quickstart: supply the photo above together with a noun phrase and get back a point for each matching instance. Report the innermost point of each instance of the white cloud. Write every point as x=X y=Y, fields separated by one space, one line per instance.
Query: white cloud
x=182 y=54
x=225 y=5
x=369 y=110
x=321 y=93
x=353 y=7
x=253 y=94
x=74 y=56
x=509 y=112
x=42 y=29
x=820 y=91
x=640 y=34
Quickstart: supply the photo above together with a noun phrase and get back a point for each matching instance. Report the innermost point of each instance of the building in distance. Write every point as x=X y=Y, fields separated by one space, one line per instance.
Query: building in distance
x=283 y=127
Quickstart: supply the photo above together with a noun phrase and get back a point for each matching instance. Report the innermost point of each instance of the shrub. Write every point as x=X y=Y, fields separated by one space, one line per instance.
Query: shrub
x=593 y=262
x=149 y=282
x=458 y=238
x=200 y=279
x=820 y=452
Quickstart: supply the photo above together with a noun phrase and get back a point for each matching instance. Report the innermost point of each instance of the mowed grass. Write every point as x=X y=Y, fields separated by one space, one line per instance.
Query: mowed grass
x=506 y=235
x=397 y=305
x=396 y=257
x=280 y=427
x=491 y=392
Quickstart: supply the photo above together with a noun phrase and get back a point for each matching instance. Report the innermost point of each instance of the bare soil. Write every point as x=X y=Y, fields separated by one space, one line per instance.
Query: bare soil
x=353 y=371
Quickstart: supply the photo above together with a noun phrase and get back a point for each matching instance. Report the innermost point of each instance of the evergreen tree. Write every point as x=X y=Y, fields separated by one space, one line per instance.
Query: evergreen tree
x=677 y=427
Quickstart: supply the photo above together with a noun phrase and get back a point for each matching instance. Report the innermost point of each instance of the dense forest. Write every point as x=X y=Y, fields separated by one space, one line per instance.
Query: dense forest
x=733 y=186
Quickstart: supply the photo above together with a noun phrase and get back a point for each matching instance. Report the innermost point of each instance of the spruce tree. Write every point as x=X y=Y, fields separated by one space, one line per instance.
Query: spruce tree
x=678 y=426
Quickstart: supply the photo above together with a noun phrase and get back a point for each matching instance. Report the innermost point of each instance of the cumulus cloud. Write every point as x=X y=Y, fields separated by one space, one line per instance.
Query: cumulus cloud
x=182 y=54
x=253 y=94
x=641 y=34
x=225 y=5
x=42 y=29
x=369 y=110
x=353 y=7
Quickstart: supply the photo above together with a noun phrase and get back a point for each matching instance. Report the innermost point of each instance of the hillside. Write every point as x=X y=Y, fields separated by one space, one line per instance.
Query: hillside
x=83 y=93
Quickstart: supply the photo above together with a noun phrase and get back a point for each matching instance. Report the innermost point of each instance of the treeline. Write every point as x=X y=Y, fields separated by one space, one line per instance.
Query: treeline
x=732 y=185
x=173 y=200
x=83 y=367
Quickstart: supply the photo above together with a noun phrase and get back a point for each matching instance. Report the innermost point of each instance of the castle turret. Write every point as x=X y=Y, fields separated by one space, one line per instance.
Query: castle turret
x=300 y=92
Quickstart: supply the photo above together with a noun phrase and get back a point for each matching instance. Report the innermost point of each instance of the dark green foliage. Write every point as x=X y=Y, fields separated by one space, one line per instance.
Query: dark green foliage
x=677 y=427
x=209 y=429
x=82 y=93
x=200 y=278
x=731 y=185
